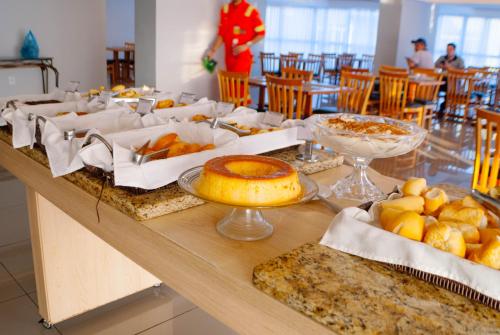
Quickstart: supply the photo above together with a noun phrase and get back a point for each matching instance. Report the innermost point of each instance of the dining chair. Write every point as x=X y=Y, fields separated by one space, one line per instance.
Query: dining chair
x=496 y=104
x=233 y=88
x=351 y=69
x=355 y=90
x=487 y=161
x=367 y=62
x=314 y=63
x=286 y=96
x=293 y=73
x=129 y=62
x=288 y=61
x=269 y=63
x=344 y=59
x=329 y=61
x=459 y=93
x=391 y=68
x=393 y=98
x=428 y=95
x=296 y=54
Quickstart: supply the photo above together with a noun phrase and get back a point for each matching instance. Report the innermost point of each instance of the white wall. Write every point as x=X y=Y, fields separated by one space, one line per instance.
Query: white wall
x=388 y=32
x=415 y=22
x=184 y=31
x=73 y=32
x=145 y=42
x=120 y=22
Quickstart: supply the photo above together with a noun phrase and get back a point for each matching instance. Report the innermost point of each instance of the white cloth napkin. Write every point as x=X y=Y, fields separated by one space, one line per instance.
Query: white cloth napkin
x=355 y=231
x=155 y=174
x=63 y=154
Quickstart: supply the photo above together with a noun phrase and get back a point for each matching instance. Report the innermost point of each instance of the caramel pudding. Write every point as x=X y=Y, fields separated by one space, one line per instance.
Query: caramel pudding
x=249 y=181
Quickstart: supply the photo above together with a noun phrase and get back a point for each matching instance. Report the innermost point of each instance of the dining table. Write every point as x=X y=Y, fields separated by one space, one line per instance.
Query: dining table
x=310 y=89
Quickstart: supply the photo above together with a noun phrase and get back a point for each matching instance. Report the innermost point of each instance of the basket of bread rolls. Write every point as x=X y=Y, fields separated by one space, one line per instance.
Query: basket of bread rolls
x=463 y=226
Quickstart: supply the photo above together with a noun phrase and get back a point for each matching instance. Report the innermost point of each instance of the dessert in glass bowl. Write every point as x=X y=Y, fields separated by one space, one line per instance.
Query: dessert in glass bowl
x=365 y=138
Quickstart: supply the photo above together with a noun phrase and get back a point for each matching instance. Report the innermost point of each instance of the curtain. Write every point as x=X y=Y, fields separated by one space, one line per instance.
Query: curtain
x=477 y=38
x=317 y=30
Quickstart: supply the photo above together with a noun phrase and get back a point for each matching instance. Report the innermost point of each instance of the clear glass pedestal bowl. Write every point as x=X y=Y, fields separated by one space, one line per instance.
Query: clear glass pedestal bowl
x=245 y=223
x=363 y=147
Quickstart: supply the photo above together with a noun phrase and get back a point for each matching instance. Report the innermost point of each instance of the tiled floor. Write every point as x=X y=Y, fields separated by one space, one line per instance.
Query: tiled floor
x=445 y=157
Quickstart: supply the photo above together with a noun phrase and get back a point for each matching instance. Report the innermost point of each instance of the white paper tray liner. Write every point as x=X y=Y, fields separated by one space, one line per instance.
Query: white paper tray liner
x=162 y=116
x=355 y=231
x=62 y=154
x=6 y=112
x=158 y=173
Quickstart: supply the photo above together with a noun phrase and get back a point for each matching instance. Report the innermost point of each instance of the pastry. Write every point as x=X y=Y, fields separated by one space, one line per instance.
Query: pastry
x=488 y=234
x=408 y=224
x=433 y=200
x=488 y=254
x=249 y=181
x=168 y=103
x=446 y=238
x=414 y=186
x=457 y=213
x=410 y=203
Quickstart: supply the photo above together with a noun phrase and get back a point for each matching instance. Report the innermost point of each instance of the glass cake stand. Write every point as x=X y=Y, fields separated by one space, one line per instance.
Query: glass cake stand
x=245 y=223
x=363 y=148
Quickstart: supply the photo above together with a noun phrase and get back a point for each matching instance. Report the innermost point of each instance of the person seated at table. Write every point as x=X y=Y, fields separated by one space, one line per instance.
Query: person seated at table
x=422 y=57
x=450 y=60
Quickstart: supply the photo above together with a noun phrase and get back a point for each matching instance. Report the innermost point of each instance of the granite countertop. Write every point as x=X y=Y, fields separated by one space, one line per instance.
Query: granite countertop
x=168 y=199
x=349 y=294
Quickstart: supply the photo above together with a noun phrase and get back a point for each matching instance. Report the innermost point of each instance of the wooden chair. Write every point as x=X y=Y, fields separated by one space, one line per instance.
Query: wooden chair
x=487 y=162
x=296 y=54
x=355 y=92
x=428 y=95
x=286 y=96
x=329 y=65
x=393 y=98
x=293 y=73
x=233 y=88
x=314 y=63
x=269 y=63
x=496 y=104
x=351 y=69
x=288 y=61
x=459 y=92
x=393 y=68
x=344 y=59
x=367 y=62
x=128 y=64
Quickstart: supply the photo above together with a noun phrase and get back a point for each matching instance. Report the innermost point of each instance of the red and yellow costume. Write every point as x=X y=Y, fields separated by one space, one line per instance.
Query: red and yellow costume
x=239 y=24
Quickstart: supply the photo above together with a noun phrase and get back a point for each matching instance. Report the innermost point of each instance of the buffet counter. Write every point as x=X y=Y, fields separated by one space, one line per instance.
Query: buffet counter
x=82 y=263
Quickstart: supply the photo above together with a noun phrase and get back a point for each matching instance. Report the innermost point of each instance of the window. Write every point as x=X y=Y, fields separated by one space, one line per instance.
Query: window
x=317 y=30
x=476 y=38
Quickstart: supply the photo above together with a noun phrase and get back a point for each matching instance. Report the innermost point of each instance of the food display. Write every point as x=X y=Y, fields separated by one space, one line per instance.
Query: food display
x=77 y=113
x=462 y=227
x=365 y=138
x=167 y=103
x=175 y=146
x=249 y=181
x=253 y=130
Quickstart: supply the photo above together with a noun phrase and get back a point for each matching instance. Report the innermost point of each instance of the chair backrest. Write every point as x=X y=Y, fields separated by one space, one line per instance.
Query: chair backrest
x=233 y=87
x=293 y=73
x=393 y=92
x=355 y=90
x=286 y=96
x=367 y=62
x=496 y=105
x=269 y=63
x=296 y=54
x=131 y=49
x=310 y=65
x=351 y=69
x=487 y=162
x=345 y=60
x=329 y=62
x=460 y=87
x=428 y=92
x=393 y=68
x=288 y=61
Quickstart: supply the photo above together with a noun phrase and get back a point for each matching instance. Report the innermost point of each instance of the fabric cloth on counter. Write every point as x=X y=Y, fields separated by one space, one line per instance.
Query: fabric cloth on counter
x=356 y=232
x=63 y=154
x=162 y=116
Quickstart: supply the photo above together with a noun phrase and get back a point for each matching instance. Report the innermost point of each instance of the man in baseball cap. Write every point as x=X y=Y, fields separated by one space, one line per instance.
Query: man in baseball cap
x=422 y=57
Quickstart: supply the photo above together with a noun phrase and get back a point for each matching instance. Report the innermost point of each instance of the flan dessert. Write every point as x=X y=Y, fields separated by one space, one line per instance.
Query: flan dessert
x=249 y=181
